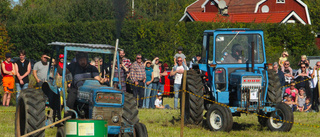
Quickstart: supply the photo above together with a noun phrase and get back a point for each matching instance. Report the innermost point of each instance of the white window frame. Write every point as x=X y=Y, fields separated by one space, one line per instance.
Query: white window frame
x=280 y=1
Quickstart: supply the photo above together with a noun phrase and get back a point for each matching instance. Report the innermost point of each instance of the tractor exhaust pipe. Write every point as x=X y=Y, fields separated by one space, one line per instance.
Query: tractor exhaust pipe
x=252 y=56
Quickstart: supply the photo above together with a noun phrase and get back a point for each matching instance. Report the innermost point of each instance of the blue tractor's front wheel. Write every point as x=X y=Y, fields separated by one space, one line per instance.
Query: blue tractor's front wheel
x=281 y=119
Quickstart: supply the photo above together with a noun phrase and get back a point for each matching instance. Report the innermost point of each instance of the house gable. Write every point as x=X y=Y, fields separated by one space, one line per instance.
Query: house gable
x=298 y=6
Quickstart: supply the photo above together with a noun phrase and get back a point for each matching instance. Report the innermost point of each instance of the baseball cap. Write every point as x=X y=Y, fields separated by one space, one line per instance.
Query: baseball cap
x=180 y=48
x=165 y=65
x=8 y=55
x=61 y=56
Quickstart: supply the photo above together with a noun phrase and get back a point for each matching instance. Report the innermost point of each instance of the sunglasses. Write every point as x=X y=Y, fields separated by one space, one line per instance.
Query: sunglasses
x=139 y=58
x=292 y=85
x=303 y=67
x=317 y=65
x=179 y=60
x=286 y=64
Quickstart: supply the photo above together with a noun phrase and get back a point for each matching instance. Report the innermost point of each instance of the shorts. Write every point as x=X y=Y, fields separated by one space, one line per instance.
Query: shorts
x=8 y=84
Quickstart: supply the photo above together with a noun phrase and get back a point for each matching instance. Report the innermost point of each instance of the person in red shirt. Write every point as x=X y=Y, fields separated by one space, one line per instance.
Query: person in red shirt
x=7 y=70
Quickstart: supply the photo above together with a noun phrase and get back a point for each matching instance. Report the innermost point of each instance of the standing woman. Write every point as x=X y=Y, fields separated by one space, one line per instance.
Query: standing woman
x=7 y=80
x=148 y=85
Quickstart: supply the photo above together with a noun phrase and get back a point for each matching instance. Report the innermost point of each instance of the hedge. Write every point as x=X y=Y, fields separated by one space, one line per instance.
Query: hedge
x=156 y=38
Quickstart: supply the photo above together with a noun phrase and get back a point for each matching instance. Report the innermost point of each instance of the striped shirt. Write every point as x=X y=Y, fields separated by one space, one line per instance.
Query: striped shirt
x=137 y=71
x=126 y=62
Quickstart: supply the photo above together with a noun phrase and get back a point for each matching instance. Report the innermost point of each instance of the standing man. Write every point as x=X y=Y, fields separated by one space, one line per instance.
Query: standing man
x=177 y=71
x=316 y=77
x=40 y=70
x=281 y=76
x=138 y=76
x=23 y=69
x=126 y=62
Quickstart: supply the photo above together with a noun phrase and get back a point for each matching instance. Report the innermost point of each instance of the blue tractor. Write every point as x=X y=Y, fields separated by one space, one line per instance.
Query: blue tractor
x=94 y=101
x=233 y=78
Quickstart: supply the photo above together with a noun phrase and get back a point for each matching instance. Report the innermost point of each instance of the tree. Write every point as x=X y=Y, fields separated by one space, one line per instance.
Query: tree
x=4 y=10
x=5 y=46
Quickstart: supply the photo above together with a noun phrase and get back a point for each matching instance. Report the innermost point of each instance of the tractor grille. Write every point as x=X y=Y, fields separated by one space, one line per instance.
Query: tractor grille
x=109 y=98
x=107 y=113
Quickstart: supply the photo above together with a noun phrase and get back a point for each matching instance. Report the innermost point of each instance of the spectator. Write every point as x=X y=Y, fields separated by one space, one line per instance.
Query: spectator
x=177 y=71
x=292 y=91
x=280 y=74
x=23 y=69
x=289 y=102
x=40 y=70
x=304 y=60
x=180 y=54
x=195 y=60
x=123 y=71
x=315 y=75
x=300 y=99
x=60 y=69
x=283 y=58
x=138 y=76
x=158 y=102
x=236 y=55
x=7 y=72
x=148 y=85
x=155 y=81
x=163 y=73
x=126 y=62
x=307 y=105
x=287 y=70
x=301 y=77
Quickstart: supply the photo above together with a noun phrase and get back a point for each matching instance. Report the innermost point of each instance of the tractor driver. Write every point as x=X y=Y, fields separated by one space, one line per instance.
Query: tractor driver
x=80 y=70
x=235 y=56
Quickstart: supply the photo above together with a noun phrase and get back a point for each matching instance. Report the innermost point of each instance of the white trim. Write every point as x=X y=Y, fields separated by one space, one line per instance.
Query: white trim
x=258 y=4
x=296 y=16
x=186 y=15
x=185 y=10
x=299 y=1
x=204 y=4
x=307 y=11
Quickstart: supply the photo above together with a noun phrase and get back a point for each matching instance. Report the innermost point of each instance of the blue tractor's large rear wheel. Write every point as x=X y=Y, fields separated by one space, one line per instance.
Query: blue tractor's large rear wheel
x=30 y=112
x=194 y=105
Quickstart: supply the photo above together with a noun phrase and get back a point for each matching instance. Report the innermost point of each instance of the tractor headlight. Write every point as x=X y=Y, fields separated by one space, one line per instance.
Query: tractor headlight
x=115 y=119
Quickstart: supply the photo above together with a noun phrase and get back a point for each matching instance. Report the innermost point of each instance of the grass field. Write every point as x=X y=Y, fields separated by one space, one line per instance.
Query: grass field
x=166 y=123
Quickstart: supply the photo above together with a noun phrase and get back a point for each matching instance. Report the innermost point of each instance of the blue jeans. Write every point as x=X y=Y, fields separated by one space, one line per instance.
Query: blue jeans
x=18 y=87
x=176 y=88
x=154 y=93
x=147 y=92
x=161 y=87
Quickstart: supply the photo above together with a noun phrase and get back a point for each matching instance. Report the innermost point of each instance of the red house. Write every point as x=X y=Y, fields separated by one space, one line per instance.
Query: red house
x=259 y=11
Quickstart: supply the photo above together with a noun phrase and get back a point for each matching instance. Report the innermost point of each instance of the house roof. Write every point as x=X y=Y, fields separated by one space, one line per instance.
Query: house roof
x=281 y=17
x=234 y=6
x=258 y=17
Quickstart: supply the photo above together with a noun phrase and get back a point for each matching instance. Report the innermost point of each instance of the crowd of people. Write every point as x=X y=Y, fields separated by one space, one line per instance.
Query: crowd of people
x=299 y=89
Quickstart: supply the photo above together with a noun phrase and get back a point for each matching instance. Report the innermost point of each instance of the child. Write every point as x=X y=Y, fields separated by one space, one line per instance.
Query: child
x=7 y=80
x=158 y=102
x=289 y=101
x=307 y=105
x=304 y=60
x=180 y=54
x=300 y=99
x=283 y=58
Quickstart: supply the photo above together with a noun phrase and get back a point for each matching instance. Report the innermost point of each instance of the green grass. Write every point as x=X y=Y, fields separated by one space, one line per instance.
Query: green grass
x=166 y=123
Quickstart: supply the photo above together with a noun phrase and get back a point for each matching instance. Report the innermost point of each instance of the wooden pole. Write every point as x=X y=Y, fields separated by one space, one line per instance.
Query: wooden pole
x=114 y=63
x=183 y=101
x=43 y=128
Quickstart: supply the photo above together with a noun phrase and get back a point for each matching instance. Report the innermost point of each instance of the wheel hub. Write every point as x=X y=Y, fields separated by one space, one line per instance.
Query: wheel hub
x=276 y=119
x=215 y=120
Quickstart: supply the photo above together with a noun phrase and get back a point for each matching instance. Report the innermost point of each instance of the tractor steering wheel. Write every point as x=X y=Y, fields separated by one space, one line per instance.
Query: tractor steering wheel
x=84 y=79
